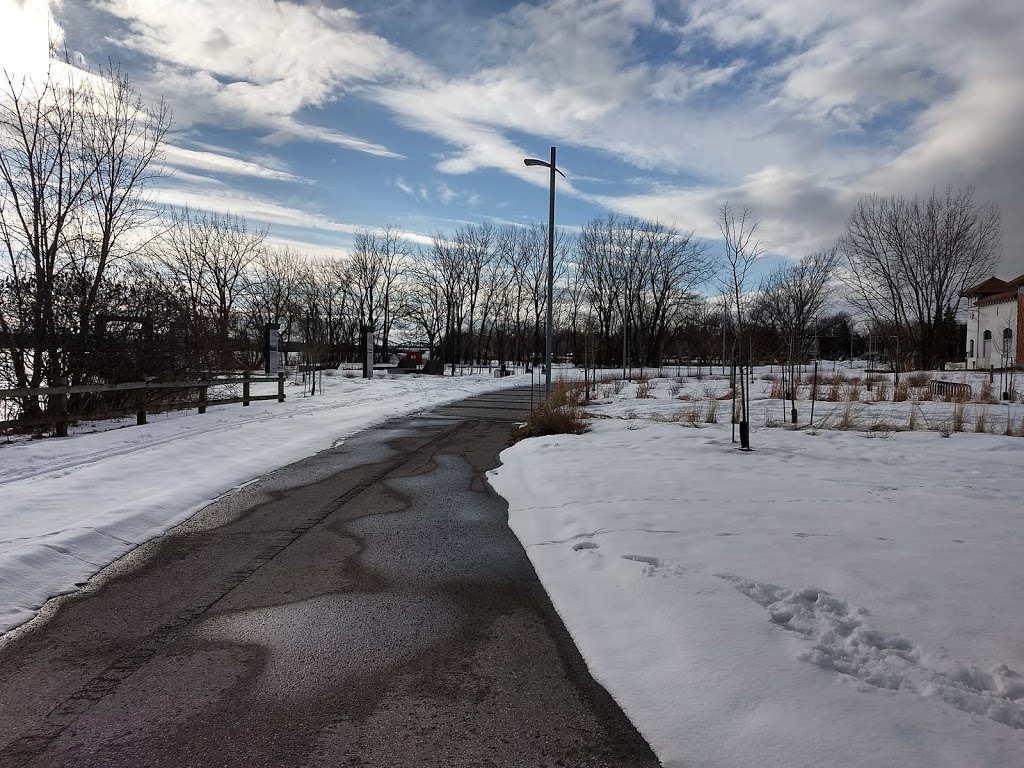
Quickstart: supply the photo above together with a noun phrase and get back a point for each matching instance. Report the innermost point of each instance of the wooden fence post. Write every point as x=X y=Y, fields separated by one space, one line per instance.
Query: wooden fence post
x=280 y=386
x=140 y=407
x=245 y=389
x=60 y=409
x=202 y=397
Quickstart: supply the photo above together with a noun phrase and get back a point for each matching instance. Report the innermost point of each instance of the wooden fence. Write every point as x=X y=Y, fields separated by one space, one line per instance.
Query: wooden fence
x=58 y=416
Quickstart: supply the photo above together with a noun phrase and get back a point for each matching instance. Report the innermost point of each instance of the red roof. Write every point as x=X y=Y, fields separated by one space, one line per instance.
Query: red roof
x=989 y=286
x=1018 y=281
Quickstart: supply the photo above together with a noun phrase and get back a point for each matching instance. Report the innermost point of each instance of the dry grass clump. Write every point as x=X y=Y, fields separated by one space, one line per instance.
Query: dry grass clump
x=689 y=416
x=959 y=414
x=853 y=390
x=882 y=390
x=727 y=395
x=912 y=422
x=561 y=414
x=902 y=391
x=643 y=388
x=778 y=392
x=987 y=393
x=923 y=394
x=980 y=420
x=711 y=411
x=675 y=387
x=847 y=419
x=883 y=426
x=618 y=385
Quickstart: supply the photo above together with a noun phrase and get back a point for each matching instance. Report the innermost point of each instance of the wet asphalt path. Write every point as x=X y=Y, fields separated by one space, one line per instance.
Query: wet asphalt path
x=367 y=606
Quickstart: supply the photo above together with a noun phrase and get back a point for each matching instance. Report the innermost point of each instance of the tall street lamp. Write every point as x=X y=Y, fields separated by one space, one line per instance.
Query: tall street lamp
x=551 y=264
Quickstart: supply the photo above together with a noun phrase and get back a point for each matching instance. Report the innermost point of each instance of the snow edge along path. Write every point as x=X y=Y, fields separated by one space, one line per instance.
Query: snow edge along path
x=69 y=507
x=664 y=564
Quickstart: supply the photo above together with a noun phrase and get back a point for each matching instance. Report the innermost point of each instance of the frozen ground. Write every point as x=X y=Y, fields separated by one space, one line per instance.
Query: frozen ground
x=70 y=506
x=834 y=598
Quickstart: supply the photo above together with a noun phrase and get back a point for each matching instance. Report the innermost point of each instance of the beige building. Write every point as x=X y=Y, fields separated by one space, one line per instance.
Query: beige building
x=995 y=323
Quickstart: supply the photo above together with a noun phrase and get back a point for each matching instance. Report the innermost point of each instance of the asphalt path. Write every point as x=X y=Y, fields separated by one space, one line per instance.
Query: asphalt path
x=367 y=606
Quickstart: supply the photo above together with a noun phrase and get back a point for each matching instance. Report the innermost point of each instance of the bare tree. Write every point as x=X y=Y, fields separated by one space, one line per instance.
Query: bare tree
x=76 y=159
x=742 y=252
x=911 y=258
x=205 y=258
x=791 y=298
x=274 y=283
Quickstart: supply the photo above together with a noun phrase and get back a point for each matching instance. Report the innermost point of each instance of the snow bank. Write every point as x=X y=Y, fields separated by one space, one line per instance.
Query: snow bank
x=830 y=599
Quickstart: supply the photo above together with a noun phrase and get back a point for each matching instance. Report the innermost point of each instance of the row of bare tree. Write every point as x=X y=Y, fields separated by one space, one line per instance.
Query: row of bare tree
x=97 y=283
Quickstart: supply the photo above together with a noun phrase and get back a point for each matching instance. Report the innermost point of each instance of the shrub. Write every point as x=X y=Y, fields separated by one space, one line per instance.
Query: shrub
x=853 y=390
x=987 y=394
x=674 y=388
x=643 y=389
x=917 y=379
x=618 y=385
x=777 y=391
x=882 y=390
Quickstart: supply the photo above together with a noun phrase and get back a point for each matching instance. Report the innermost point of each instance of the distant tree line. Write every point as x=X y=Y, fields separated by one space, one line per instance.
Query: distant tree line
x=98 y=284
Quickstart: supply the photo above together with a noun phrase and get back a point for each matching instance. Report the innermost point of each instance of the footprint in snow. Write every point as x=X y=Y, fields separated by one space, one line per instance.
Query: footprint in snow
x=585 y=545
x=840 y=639
x=655 y=566
x=653 y=561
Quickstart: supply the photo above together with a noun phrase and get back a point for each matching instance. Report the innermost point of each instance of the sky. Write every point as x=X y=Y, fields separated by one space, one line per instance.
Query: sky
x=319 y=118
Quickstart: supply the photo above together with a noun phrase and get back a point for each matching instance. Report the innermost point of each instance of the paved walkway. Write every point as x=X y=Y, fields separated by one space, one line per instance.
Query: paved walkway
x=365 y=607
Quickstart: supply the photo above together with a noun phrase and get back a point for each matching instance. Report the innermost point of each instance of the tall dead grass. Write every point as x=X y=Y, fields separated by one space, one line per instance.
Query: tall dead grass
x=560 y=414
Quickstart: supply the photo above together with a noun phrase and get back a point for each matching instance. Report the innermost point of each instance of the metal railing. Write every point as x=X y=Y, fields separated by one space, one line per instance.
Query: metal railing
x=954 y=390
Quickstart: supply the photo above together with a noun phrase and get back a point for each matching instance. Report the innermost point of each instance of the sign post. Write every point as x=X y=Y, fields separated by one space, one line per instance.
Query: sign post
x=367 y=351
x=270 y=348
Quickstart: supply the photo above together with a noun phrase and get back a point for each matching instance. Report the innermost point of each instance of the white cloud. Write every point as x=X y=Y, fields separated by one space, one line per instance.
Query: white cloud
x=445 y=193
x=796 y=106
x=221 y=163
x=259 y=61
x=259 y=210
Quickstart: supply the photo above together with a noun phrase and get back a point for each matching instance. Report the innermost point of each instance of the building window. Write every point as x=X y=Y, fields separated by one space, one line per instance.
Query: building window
x=1007 y=334
x=970 y=351
x=986 y=346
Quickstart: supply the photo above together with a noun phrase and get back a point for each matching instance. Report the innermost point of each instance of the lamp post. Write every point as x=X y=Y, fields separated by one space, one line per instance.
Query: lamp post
x=551 y=264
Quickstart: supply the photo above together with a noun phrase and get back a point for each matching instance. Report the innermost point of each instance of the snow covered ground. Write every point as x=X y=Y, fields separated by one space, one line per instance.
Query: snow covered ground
x=833 y=598
x=70 y=506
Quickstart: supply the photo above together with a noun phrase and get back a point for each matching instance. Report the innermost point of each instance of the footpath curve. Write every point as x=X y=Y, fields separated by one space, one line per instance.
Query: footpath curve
x=367 y=606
